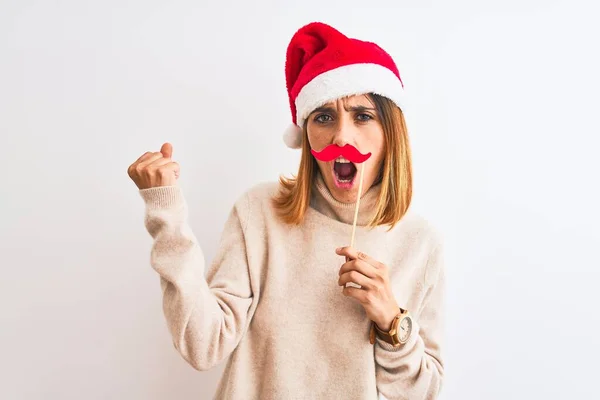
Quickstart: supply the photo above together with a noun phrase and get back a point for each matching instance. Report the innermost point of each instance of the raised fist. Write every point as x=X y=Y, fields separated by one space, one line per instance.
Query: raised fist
x=154 y=169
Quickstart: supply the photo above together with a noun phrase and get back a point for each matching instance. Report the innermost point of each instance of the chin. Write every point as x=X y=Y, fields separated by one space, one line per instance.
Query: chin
x=345 y=192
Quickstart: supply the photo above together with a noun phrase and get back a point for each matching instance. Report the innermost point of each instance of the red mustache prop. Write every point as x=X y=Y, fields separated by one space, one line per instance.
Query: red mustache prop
x=333 y=151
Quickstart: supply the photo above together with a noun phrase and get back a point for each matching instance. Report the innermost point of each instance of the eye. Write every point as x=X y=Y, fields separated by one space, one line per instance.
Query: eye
x=322 y=118
x=364 y=117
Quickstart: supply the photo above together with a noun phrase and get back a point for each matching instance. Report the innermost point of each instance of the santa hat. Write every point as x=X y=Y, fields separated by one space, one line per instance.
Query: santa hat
x=323 y=65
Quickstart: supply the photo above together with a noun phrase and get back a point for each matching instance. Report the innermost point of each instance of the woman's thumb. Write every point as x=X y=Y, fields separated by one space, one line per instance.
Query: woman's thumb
x=167 y=150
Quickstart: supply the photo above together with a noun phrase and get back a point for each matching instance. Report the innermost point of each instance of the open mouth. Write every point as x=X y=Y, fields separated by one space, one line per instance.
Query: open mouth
x=344 y=173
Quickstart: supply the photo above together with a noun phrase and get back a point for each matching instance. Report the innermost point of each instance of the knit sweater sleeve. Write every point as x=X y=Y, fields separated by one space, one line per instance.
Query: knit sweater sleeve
x=207 y=311
x=415 y=370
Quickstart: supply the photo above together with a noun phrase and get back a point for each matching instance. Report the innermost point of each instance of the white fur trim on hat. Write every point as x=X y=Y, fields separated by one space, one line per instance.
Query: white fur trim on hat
x=292 y=136
x=345 y=81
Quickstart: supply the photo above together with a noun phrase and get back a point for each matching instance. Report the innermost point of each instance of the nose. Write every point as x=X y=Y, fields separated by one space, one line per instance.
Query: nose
x=345 y=130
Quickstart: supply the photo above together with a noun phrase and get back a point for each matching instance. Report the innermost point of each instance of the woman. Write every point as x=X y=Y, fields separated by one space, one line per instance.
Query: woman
x=303 y=315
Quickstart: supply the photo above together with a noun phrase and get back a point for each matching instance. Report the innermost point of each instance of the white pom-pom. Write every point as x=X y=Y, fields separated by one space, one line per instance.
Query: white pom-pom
x=292 y=137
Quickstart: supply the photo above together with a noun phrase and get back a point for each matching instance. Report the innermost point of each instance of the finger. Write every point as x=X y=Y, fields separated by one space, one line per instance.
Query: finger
x=143 y=156
x=353 y=254
x=358 y=294
x=359 y=266
x=159 y=162
x=167 y=150
x=150 y=159
x=169 y=168
x=348 y=251
x=369 y=260
x=356 y=277
x=165 y=166
x=135 y=164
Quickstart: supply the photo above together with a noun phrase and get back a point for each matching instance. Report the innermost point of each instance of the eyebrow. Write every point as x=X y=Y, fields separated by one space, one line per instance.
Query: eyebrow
x=348 y=109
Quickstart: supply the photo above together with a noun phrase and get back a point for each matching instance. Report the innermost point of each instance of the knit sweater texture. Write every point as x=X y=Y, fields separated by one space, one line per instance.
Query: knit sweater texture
x=269 y=303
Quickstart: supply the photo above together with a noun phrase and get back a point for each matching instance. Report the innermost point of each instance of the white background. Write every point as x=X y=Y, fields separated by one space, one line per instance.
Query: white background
x=503 y=118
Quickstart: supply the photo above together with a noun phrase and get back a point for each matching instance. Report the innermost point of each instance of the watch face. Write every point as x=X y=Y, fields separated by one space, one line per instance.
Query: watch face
x=404 y=329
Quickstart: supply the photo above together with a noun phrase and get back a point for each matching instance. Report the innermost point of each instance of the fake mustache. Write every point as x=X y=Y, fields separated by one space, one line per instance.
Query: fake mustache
x=333 y=151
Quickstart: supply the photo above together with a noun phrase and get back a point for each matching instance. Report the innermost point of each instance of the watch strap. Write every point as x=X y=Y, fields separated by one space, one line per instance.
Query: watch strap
x=387 y=336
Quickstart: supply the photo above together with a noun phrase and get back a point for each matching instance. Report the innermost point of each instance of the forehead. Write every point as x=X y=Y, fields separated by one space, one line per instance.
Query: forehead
x=350 y=101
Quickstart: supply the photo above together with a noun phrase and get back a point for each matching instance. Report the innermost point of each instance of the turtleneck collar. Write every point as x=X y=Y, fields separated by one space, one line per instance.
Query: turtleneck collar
x=323 y=201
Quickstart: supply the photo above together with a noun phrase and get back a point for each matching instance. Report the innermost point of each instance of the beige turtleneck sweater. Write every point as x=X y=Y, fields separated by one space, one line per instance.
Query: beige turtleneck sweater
x=270 y=299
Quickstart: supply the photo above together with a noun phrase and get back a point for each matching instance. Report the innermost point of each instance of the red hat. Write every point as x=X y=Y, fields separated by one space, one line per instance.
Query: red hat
x=323 y=65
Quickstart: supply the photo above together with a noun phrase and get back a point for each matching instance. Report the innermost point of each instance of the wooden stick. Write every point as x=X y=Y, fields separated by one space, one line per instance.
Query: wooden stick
x=360 y=185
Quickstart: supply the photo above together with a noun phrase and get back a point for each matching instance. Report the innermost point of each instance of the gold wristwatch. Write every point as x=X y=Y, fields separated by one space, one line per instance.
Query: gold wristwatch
x=398 y=334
